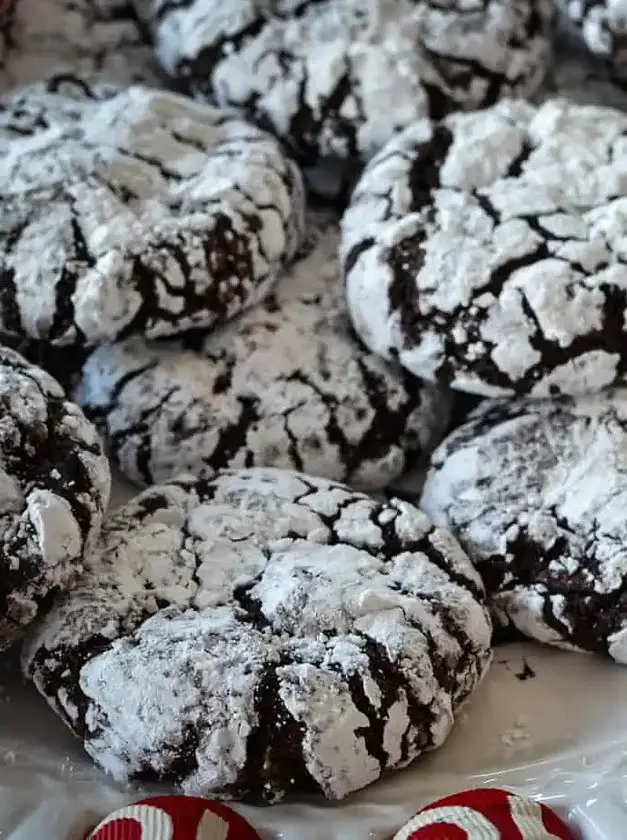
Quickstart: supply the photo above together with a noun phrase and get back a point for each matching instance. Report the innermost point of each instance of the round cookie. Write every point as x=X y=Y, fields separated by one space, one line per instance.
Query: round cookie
x=487 y=252
x=536 y=493
x=54 y=489
x=603 y=27
x=336 y=78
x=261 y=632
x=286 y=385
x=111 y=37
x=143 y=212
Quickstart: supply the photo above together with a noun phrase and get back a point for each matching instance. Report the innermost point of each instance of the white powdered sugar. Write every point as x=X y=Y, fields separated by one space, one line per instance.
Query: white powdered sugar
x=260 y=631
x=148 y=213
x=487 y=251
x=54 y=489
x=536 y=493
x=285 y=385
x=58 y=100
x=40 y=38
x=337 y=78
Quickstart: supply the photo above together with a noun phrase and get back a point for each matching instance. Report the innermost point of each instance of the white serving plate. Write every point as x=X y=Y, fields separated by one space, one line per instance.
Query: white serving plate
x=559 y=735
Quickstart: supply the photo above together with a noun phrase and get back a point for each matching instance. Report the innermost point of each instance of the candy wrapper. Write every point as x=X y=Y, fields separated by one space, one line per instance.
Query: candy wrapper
x=485 y=814
x=174 y=818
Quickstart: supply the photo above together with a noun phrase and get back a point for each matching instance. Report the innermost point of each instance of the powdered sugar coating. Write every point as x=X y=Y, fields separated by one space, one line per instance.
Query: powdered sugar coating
x=603 y=26
x=536 y=493
x=336 y=78
x=487 y=250
x=286 y=385
x=149 y=213
x=54 y=488
x=108 y=37
x=263 y=632
x=56 y=100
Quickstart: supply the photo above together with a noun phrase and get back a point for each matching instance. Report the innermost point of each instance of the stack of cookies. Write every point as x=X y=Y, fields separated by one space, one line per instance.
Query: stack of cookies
x=265 y=247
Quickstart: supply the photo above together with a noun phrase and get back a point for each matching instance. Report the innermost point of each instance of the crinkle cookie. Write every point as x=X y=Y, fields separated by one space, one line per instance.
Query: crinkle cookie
x=44 y=37
x=336 y=78
x=487 y=251
x=603 y=27
x=140 y=212
x=286 y=385
x=54 y=489
x=261 y=632
x=536 y=493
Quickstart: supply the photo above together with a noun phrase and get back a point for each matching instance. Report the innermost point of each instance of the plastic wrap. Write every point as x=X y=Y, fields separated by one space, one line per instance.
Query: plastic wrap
x=546 y=723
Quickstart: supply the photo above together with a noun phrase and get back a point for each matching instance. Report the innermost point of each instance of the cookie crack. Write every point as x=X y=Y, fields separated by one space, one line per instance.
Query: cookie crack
x=251 y=608
x=386 y=424
x=387 y=673
x=141 y=431
x=63 y=319
x=56 y=672
x=274 y=748
x=594 y=615
x=395 y=546
x=202 y=65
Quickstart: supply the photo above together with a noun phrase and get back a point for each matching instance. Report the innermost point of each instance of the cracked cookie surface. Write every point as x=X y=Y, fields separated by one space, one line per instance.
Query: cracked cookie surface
x=39 y=38
x=136 y=212
x=536 y=493
x=286 y=385
x=58 y=99
x=486 y=251
x=54 y=489
x=261 y=632
x=318 y=72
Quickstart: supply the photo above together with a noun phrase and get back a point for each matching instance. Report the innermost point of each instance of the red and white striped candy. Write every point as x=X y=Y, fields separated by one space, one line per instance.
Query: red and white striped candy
x=487 y=814
x=174 y=818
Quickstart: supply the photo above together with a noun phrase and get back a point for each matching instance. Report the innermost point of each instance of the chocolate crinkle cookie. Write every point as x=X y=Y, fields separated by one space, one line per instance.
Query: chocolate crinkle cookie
x=285 y=385
x=54 y=489
x=44 y=37
x=486 y=251
x=137 y=212
x=536 y=493
x=260 y=632
x=336 y=78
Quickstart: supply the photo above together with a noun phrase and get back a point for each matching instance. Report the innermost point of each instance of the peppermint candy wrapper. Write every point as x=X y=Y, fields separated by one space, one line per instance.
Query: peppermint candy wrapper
x=174 y=818
x=486 y=814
